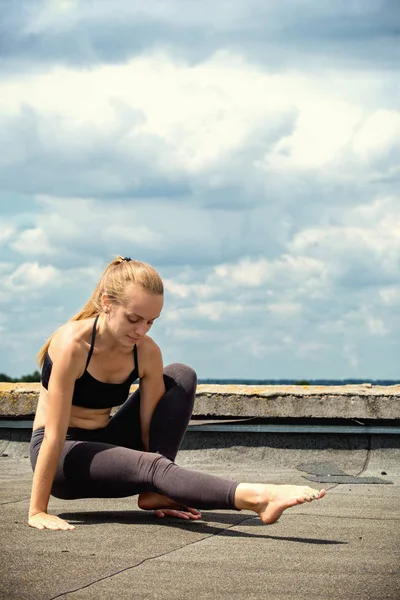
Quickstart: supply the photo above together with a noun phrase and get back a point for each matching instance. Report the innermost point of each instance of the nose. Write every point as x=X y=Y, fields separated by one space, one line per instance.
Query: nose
x=141 y=329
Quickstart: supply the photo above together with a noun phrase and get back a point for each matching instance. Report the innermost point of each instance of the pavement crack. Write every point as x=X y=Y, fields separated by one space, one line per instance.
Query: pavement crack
x=149 y=558
x=14 y=501
x=352 y=517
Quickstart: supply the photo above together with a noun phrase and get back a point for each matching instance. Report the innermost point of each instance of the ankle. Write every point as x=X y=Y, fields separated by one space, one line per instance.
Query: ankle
x=247 y=496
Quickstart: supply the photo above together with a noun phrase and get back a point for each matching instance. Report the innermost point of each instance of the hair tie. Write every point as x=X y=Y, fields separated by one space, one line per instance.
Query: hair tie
x=127 y=259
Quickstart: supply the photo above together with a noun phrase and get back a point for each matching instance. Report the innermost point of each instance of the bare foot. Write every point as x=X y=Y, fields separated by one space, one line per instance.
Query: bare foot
x=269 y=501
x=166 y=507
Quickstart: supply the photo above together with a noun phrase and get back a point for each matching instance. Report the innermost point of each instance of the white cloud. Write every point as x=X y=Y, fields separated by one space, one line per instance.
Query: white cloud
x=322 y=132
x=215 y=311
x=189 y=119
x=135 y=233
x=32 y=242
x=365 y=243
x=378 y=136
x=350 y=353
x=246 y=273
x=185 y=334
x=288 y=270
x=206 y=111
x=182 y=290
x=6 y=233
x=31 y=276
x=177 y=289
x=377 y=326
x=390 y=295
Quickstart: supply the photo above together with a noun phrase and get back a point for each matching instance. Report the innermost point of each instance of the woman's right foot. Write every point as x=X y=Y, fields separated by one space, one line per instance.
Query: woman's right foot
x=166 y=507
x=269 y=501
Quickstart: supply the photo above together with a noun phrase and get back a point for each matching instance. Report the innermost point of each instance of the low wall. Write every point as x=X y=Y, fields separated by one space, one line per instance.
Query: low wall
x=19 y=400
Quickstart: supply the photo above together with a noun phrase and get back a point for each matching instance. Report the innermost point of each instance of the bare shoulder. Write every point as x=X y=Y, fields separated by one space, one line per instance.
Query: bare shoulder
x=70 y=342
x=149 y=355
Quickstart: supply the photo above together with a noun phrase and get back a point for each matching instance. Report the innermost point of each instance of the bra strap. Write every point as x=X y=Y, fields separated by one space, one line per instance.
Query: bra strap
x=92 y=342
x=136 y=359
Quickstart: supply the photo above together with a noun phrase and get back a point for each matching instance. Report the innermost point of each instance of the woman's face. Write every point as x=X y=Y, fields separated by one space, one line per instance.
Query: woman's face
x=130 y=321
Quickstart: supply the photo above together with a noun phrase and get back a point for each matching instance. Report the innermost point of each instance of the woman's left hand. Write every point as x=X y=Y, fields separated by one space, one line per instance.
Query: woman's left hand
x=188 y=514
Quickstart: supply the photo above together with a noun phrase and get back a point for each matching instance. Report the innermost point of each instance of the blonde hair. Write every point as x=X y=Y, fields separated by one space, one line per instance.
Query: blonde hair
x=118 y=274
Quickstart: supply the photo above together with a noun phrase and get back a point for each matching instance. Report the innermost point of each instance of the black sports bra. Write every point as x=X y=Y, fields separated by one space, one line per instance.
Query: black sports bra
x=90 y=392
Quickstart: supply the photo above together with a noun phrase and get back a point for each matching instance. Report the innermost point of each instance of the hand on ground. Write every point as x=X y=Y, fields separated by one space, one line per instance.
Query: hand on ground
x=43 y=520
x=187 y=514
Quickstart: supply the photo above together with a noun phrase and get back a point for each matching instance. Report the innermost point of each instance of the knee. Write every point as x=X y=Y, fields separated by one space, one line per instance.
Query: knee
x=183 y=376
x=64 y=492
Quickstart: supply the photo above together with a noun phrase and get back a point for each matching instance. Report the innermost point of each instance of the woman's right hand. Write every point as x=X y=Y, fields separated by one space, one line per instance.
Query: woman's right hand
x=44 y=521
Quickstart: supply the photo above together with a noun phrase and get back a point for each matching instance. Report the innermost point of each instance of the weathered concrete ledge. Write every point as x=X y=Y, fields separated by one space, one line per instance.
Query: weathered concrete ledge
x=363 y=401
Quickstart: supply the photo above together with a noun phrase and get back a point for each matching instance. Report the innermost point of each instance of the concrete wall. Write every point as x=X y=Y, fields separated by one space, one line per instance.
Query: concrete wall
x=364 y=401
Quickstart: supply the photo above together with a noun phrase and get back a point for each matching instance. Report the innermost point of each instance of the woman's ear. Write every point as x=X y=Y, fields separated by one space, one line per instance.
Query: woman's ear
x=105 y=303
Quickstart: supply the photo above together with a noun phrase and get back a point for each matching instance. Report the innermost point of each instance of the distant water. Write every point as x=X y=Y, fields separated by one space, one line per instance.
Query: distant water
x=299 y=381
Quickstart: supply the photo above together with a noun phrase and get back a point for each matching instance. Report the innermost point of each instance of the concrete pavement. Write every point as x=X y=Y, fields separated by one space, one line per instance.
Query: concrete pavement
x=346 y=546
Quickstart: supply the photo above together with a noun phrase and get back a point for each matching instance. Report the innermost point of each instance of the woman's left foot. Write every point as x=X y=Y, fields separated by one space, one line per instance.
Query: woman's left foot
x=269 y=501
x=166 y=507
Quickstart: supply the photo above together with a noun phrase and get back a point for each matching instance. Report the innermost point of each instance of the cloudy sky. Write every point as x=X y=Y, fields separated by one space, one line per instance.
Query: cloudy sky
x=248 y=149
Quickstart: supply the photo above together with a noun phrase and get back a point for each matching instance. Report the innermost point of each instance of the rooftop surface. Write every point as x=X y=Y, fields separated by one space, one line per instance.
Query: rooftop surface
x=346 y=546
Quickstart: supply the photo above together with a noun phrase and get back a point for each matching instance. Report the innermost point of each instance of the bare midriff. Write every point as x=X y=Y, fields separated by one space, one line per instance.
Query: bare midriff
x=89 y=418
x=85 y=418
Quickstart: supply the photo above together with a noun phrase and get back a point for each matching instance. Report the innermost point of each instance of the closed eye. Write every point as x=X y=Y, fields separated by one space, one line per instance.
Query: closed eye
x=137 y=321
x=133 y=320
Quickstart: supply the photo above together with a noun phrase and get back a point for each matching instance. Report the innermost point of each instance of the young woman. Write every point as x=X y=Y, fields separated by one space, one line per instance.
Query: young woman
x=78 y=451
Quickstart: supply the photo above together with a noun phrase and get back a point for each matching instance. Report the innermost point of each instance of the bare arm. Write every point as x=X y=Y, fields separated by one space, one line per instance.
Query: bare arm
x=151 y=387
x=66 y=366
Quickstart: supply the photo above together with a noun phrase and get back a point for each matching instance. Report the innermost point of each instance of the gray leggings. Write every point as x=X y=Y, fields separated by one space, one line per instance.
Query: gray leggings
x=110 y=462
